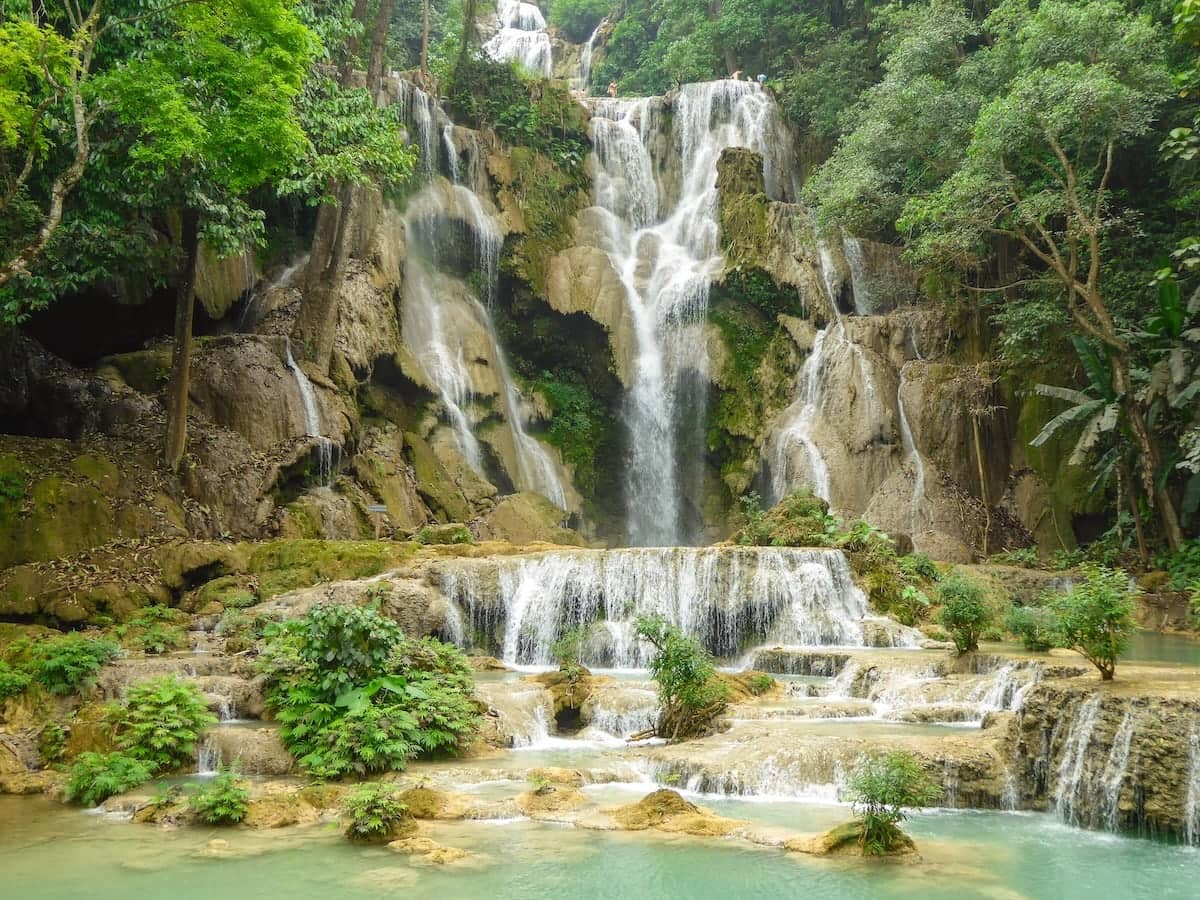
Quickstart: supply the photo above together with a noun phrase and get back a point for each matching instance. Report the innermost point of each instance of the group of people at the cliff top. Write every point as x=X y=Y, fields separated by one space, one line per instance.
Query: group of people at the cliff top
x=736 y=76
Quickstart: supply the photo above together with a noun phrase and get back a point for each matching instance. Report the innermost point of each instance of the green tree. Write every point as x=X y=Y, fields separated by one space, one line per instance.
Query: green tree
x=881 y=789
x=206 y=99
x=691 y=692
x=1038 y=172
x=965 y=613
x=1095 y=618
x=45 y=62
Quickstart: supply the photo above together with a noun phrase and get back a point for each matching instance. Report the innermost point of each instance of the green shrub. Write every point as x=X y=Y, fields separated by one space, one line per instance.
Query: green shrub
x=918 y=565
x=353 y=695
x=689 y=689
x=97 y=776
x=577 y=19
x=1035 y=626
x=579 y=423
x=52 y=741
x=69 y=663
x=223 y=801
x=1026 y=557
x=881 y=788
x=1095 y=617
x=912 y=605
x=760 y=684
x=1183 y=565
x=964 y=614
x=800 y=519
x=371 y=812
x=154 y=630
x=443 y=534
x=161 y=722
x=13 y=681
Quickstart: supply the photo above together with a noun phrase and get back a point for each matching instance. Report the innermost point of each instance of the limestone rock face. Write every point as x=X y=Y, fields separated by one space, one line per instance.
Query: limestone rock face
x=527 y=518
x=243 y=383
x=256 y=751
x=381 y=467
x=220 y=282
x=581 y=279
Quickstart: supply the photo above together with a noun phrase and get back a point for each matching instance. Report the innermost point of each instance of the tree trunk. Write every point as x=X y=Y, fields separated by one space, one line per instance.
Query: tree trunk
x=383 y=24
x=181 y=355
x=983 y=486
x=1125 y=488
x=1148 y=458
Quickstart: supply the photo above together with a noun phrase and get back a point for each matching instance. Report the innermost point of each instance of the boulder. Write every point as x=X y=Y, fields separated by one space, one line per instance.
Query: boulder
x=666 y=810
x=526 y=518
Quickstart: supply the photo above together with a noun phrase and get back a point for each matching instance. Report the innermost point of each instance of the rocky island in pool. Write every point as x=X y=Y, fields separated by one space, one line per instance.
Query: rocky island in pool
x=525 y=452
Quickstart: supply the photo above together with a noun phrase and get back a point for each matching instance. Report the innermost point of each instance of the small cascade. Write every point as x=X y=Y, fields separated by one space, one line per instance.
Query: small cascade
x=729 y=598
x=1114 y=773
x=1191 y=813
x=950 y=784
x=1010 y=797
x=312 y=419
x=665 y=250
x=912 y=454
x=208 y=757
x=622 y=710
x=522 y=37
x=797 y=429
x=582 y=82
x=1069 y=800
x=852 y=248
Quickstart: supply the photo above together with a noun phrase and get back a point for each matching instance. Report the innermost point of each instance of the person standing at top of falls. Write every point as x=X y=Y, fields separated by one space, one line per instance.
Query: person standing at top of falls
x=762 y=79
x=737 y=75
x=612 y=89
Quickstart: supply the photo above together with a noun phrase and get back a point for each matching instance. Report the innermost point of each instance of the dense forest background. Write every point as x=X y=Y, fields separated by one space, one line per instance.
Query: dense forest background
x=1037 y=162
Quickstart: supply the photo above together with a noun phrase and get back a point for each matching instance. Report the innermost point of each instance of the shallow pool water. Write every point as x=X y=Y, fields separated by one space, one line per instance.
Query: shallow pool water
x=1154 y=646
x=50 y=851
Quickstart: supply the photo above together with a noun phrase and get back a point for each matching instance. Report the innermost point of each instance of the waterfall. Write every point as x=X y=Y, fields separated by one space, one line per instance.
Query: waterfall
x=1191 y=814
x=1067 y=797
x=522 y=37
x=312 y=418
x=1114 y=773
x=666 y=251
x=208 y=756
x=798 y=430
x=914 y=455
x=449 y=228
x=729 y=598
x=582 y=81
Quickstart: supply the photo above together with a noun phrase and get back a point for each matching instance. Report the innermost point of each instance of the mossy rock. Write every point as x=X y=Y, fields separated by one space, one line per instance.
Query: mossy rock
x=433 y=481
x=847 y=840
x=230 y=591
x=288 y=565
x=451 y=533
x=146 y=371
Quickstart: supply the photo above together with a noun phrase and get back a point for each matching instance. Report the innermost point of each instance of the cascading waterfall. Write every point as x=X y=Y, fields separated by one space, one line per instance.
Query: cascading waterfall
x=522 y=37
x=1114 y=773
x=443 y=221
x=208 y=756
x=1191 y=813
x=1068 y=796
x=582 y=82
x=666 y=252
x=913 y=454
x=727 y=598
x=312 y=418
x=798 y=430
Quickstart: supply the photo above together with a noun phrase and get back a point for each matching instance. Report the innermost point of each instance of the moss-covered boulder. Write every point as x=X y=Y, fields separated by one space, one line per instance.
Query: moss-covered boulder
x=526 y=518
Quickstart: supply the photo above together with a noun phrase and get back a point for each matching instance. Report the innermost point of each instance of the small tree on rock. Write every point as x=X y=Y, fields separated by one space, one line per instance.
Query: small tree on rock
x=1096 y=617
x=689 y=688
x=965 y=613
x=881 y=789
